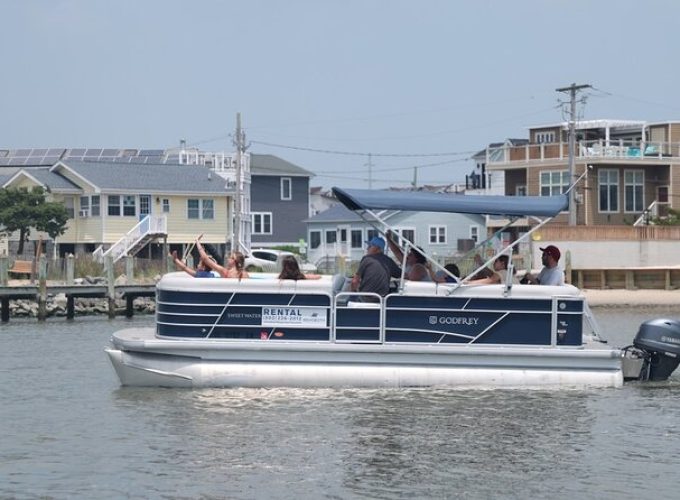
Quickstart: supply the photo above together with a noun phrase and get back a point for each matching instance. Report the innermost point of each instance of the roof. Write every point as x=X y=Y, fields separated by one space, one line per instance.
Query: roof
x=151 y=178
x=589 y=124
x=496 y=145
x=340 y=213
x=273 y=165
x=366 y=199
x=52 y=179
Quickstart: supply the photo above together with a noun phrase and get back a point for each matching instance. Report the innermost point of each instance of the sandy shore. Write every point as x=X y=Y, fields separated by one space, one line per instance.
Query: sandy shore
x=634 y=298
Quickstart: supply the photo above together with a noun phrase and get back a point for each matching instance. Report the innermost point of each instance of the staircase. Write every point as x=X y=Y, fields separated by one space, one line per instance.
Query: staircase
x=148 y=229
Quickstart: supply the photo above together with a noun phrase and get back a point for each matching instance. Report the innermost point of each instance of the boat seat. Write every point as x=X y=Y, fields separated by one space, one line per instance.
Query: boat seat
x=340 y=284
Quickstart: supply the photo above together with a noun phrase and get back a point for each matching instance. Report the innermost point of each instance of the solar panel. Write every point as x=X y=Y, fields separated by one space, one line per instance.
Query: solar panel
x=55 y=152
x=4 y=153
x=110 y=152
x=4 y=161
x=17 y=161
x=50 y=160
x=93 y=152
x=38 y=152
x=151 y=152
x=22 y=152
x=76 y=152
x=128 y=152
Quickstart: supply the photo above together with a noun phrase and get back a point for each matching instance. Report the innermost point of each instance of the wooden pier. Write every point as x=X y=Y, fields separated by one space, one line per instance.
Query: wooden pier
x=39 y=290
x=39 y=294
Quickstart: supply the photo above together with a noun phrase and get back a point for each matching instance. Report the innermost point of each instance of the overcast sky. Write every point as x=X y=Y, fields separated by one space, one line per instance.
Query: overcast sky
x=435 y=78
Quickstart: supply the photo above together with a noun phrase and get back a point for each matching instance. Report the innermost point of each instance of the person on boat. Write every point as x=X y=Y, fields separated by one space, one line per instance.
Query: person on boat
x=550 y=274
x=498 y=275
x=201 y=271
x=415 y=268
x=375 y=271
x=235 y=263
x=443 y=277
x=290 y=270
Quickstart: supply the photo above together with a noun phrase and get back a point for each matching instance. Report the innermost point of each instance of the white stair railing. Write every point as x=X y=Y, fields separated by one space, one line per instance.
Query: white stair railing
x=151 y=224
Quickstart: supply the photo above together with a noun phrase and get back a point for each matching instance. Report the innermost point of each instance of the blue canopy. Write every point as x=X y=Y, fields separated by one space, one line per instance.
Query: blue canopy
x=417 y=201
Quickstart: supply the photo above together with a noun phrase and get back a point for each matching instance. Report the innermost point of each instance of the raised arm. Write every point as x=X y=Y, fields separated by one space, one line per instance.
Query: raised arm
x=394 y=248
x=208 y=261
x=181 y=265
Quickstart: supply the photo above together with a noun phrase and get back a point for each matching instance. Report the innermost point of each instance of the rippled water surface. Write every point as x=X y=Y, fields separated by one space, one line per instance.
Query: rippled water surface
x=67 y=430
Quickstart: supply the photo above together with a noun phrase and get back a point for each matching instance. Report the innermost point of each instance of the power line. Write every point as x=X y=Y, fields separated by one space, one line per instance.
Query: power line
x=359 y=153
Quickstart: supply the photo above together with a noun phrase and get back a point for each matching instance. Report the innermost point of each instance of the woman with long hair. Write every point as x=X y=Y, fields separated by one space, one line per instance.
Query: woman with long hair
x=235 y=263
x=290 y=270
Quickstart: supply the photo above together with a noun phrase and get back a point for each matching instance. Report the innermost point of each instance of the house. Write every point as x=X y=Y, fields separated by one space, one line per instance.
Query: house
x=279 y=201
x=635 y=168
x=320 y=200
x=480 y=181
x=340 y=232
x=106 y=200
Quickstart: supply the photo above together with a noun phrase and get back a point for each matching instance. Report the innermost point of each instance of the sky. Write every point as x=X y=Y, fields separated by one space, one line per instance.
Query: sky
x=418 y=85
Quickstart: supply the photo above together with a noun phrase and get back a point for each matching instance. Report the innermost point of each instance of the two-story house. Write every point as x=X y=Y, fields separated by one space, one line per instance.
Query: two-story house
x=279 y=201
x=633 y=167
x=106 y=200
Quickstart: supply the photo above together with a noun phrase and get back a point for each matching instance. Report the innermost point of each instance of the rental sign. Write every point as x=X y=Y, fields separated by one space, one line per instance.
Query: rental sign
x=294 y=316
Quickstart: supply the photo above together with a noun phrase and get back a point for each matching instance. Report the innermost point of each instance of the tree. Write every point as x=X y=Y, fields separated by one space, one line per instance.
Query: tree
x=22 y=209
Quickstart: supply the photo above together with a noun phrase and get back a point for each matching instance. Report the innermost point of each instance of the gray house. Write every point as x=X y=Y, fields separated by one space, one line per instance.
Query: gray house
x=279 y=201
x=339 y=232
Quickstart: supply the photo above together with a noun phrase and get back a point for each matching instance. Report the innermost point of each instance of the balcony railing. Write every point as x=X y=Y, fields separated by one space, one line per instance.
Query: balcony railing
x=599 y=149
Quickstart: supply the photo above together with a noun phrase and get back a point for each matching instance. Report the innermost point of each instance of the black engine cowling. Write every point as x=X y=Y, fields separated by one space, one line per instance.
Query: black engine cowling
x=660 y=339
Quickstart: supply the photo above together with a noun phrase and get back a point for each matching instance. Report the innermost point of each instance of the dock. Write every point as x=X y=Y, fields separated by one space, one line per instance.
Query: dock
x=39 y=293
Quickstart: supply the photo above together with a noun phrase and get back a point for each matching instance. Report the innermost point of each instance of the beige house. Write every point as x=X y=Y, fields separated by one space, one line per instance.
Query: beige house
x=139 y=205
x=634 y=174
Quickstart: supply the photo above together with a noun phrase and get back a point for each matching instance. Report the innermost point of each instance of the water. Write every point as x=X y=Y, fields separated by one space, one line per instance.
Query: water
x=68 y=430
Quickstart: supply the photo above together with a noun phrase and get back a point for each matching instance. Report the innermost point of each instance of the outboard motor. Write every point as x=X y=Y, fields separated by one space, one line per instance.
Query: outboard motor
x=659 y=341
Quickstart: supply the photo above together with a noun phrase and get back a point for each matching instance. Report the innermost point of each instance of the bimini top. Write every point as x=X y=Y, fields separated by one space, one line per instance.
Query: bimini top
x=410 y=201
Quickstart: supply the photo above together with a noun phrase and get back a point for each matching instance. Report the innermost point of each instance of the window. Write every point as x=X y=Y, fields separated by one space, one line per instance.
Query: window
x=438 y=235
x=114 y=204
x=608 y=189
x=199 y=209
x=286 y=188
x=407 y=233
x=633 y=183
x=192 y=209
x=84 y=206
x=208 y=211
x=262 y=223
x=315 y=239
x=129 y=205
x=545 y=137
x=166 y=205
x=553 y=183
x=357 y=238
x=371 y=233
x=95 y=208
x=474 y=233
x=331 y=236
x=69 y=203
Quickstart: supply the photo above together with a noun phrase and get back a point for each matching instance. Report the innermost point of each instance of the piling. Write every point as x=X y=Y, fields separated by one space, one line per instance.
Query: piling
x=110 y=288
x=42 y=288
x=70 y=269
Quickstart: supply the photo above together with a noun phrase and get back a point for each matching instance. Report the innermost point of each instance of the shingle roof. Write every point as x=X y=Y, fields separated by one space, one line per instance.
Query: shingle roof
x=340 y=213
x=52 y=179
x=273 y=165
x=150 y=178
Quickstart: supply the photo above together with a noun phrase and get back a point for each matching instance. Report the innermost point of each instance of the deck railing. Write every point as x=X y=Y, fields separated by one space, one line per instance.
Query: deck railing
x=599 y=149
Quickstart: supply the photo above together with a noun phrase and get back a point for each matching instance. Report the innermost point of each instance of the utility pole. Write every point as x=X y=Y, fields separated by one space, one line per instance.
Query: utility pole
x=572 y=89
x=239 y=142
x=370 y=171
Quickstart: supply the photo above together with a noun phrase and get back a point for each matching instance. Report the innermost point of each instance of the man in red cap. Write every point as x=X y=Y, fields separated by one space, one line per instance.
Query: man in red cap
x=550 y=274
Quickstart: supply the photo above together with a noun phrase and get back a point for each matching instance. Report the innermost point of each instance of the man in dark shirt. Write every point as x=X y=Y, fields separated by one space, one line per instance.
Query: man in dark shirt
x=375 y=270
